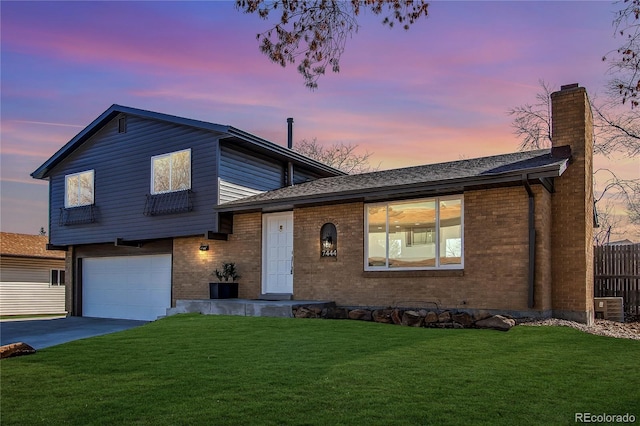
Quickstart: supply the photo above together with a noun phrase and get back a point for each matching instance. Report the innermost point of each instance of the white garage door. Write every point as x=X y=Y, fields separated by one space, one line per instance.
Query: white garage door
x=128 y=287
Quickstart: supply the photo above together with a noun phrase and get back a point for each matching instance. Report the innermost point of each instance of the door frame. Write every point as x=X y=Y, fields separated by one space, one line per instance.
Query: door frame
x=265 y=264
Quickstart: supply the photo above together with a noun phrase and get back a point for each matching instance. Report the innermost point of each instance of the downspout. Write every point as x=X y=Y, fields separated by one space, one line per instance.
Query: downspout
x=290 y=146
x=532 y=242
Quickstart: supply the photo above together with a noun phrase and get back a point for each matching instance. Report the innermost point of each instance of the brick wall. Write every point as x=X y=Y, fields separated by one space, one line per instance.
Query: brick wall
x=495 y=275
x=572 y=207
x=193 y=268
x=543 y=275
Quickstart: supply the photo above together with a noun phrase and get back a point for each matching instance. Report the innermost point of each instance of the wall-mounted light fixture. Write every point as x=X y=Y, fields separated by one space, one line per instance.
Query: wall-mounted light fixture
x=204 y=247
x=327 y=243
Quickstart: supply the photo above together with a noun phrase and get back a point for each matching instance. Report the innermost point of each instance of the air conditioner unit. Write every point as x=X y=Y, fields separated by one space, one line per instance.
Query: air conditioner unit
x=609 y=308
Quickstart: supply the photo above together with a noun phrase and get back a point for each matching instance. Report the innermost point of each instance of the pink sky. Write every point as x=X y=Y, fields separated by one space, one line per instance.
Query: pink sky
x=437 y=92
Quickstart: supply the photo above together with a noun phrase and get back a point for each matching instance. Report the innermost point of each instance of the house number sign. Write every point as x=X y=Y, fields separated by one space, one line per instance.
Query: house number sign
x=328 y=240
x=329 y=253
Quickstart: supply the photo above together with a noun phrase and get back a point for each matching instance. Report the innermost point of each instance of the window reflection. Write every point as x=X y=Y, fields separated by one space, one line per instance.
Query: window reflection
x=417 y=234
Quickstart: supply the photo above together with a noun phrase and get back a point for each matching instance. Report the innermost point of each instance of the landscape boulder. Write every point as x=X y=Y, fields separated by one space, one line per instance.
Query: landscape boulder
x=431 y=318
x=444 y=317
x=303 y=312
x=396 y=316
x=360 y=314
x=412 y=319
x=382 y=315
x=496 y=322
x=335 y=313
x=462 y=318
x=16 y=349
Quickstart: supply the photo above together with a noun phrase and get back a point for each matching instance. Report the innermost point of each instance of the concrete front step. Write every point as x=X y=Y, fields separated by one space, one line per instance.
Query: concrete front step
x=276 y=296
x=244 y=307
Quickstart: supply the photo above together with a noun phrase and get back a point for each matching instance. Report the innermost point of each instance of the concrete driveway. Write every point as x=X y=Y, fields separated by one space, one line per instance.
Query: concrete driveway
x=43 y=333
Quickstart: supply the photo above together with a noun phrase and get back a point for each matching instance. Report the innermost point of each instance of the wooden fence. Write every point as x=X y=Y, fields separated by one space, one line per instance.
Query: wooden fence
x=617 y=274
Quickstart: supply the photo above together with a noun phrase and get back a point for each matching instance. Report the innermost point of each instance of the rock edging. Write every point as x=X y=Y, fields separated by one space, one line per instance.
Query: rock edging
x=409 y=317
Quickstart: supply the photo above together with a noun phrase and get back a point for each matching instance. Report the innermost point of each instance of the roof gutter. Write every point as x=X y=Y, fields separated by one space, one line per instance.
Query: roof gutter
x=395 y=191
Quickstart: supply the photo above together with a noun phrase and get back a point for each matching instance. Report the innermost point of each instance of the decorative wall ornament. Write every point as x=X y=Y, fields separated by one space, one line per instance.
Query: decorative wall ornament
x=328 y=240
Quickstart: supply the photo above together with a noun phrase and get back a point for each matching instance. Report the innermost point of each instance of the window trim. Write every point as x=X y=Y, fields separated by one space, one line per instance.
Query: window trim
x=58 y=271
x=169 y=154
x=438 y=266
x=93 y=189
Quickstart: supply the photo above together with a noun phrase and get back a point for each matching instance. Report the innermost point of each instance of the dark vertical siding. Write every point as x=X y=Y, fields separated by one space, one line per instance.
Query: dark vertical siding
x=122 y=164
x=301 y=175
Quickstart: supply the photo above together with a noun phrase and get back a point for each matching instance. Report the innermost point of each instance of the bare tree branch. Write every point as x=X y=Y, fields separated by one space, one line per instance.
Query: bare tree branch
x=532 y=122
x=314 y=32
x=624 y=62
x=608 y=222
x=339 y=155
x=617 y=129
x=626 y=191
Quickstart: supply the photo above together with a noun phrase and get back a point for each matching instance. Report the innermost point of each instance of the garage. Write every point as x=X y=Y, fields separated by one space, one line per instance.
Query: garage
x=127 y=287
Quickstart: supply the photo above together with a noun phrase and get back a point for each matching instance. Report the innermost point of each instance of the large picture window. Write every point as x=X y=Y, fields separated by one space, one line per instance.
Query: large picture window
x=79 y=189
x=171 y=172
x=416 y=234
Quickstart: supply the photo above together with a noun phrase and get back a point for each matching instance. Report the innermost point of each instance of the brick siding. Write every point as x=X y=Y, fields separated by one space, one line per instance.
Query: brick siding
x=495 y=275
x=572 y=208
x=193 y=269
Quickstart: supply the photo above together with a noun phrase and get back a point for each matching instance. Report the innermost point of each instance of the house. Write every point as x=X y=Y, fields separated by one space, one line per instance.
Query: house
x=32 y=278
x=140 y=196
x=129 y=187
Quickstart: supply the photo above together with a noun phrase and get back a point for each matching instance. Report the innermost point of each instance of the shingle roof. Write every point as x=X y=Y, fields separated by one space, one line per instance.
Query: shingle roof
x=441 y=177
x=27 y=246
x=290 y=155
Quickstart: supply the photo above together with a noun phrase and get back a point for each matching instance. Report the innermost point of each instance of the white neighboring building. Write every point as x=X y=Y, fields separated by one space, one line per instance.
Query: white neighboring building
x=32 y=278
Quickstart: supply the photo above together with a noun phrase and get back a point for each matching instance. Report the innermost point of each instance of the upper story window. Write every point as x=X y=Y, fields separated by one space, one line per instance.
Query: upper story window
x=417 y=234
x=171 y=172
x=79 y=189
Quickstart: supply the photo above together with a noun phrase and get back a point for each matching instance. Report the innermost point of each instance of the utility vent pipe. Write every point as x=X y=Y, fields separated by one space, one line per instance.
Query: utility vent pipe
x=290 y=133
x=290 y=146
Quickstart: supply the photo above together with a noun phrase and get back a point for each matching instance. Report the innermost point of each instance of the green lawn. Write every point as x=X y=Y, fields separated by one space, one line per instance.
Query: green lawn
x=217 y=370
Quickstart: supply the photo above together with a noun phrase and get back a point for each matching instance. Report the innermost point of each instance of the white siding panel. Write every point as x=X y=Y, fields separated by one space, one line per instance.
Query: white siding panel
x=230 y=191
x=31 y=298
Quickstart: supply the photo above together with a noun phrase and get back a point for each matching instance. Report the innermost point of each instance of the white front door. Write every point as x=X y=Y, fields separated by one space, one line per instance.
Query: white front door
x=277 y=253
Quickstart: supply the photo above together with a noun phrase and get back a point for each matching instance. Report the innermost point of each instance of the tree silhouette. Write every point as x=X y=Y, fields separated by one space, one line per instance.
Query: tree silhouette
x=314 y=32
x=339 y=155
x=615 y=131
x=624 y=62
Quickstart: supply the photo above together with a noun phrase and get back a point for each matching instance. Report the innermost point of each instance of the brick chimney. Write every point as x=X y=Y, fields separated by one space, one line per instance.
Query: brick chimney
x=572 y=206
